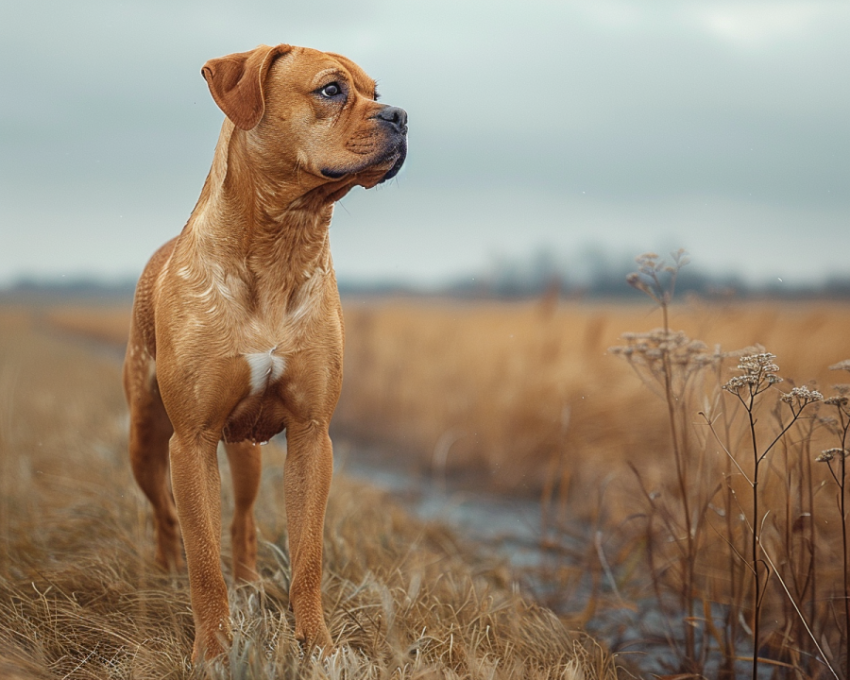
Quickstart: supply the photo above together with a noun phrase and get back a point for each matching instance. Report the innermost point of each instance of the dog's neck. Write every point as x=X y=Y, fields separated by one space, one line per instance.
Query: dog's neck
x=270 y=231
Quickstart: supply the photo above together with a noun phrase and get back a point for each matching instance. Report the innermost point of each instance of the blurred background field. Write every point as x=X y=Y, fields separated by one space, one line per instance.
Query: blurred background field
x=506 y=393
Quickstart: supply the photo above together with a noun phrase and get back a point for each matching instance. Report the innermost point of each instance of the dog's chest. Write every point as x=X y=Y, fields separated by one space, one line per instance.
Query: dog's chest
x=291 y=364
x=267 y=329
x=269 y=342
x=270 y=398
x=266 y=369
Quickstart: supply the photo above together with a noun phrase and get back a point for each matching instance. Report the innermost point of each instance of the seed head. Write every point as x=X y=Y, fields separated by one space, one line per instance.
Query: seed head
x=635 y=281
x=831 y=454
x=841 y=366
x=803 y=395
x=754 y=363
x=759 y=373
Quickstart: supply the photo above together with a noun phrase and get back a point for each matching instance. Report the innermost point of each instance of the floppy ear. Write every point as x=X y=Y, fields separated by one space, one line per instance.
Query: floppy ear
x=236 y=83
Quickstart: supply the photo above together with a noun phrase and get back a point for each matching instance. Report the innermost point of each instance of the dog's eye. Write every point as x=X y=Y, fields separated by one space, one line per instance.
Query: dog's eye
x=331 y=90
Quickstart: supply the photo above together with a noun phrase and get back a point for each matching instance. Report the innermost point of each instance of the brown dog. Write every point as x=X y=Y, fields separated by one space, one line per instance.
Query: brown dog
x=237 y=329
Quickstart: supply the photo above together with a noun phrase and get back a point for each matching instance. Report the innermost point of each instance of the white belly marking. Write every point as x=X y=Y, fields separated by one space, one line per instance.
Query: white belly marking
x=266 y=368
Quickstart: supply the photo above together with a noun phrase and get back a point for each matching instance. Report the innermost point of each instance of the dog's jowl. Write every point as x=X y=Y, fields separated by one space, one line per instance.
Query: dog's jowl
x=237 y=331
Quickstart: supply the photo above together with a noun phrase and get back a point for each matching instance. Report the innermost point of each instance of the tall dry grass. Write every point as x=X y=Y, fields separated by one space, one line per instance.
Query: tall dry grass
x=517 y=394
x=81 y=598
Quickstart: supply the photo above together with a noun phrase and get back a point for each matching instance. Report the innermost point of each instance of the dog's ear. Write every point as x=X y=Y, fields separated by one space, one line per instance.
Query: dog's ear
x=236 y=83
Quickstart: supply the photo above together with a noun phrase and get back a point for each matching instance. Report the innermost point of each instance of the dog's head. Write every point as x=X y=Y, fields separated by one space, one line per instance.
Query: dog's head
x=309 y=113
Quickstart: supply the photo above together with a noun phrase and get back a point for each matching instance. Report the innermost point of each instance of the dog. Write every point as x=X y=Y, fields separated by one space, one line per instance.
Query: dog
x=237 y=329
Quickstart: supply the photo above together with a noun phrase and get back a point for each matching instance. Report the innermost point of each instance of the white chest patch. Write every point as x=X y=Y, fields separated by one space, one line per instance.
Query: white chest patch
x=266 y=368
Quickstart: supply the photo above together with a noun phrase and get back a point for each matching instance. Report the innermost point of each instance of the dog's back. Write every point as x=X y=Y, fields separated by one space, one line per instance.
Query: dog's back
x=143 y=303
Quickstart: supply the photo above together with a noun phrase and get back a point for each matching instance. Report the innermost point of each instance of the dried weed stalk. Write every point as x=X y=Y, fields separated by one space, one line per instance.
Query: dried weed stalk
x=679 y=529
x=672 y=361
x=839 y=426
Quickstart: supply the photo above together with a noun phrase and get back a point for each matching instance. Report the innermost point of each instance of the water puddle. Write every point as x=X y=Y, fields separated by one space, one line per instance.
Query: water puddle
x=510 y=526
x=631 y=625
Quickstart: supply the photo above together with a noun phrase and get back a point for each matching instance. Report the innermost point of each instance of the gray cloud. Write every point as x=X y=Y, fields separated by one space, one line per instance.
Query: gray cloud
x=718 y=126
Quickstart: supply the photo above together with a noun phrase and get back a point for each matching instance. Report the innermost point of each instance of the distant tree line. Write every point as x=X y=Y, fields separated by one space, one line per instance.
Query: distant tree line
x=592 y=273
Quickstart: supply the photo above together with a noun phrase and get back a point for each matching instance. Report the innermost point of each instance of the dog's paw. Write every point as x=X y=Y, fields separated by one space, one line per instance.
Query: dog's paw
x=314 y=639
x=211 y=645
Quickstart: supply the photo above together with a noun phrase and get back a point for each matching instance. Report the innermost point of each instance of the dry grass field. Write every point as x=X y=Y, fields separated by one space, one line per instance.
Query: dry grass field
x=507 y=391
x=80 y=596
x=709 y=500
x=740 y=520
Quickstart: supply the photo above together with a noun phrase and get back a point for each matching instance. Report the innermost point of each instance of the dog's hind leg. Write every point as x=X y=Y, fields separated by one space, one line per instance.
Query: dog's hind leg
x=245 y=470
x=150 y=430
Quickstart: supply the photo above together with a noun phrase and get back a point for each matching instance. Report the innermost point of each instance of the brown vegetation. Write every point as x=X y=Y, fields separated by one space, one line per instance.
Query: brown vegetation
x=512 y=390
x=739 y=530
x=736 y=522
x=81 y=598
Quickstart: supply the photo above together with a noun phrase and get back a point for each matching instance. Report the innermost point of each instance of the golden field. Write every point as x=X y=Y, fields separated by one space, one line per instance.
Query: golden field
x=504 y=391
x=80 y=596
x=529 y=398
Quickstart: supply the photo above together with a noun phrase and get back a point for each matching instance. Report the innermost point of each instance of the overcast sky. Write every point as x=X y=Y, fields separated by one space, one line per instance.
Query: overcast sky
x=720 y=127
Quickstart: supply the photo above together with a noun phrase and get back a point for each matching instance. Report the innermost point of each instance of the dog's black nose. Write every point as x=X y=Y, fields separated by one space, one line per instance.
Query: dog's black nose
x=394 y=116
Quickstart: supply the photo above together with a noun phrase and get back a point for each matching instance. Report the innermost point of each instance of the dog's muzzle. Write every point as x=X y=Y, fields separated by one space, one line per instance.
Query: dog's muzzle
x=395 y=119
x=401 y=151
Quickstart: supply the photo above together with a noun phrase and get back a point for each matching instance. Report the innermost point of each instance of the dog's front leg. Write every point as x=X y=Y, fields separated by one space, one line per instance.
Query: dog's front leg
x=246 y=470
x=307 y=481
x=197 y=487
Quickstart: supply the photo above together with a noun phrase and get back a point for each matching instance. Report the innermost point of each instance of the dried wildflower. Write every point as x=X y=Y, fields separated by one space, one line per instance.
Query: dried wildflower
x=758 y=362
x=803 y=395
x=635 y=281
x=759 y=373
x=837 y=401
x=740 y=380
x=831 y=454
x=655 y=278
x=806 y=394
x=659 y=355
x=841 y=366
